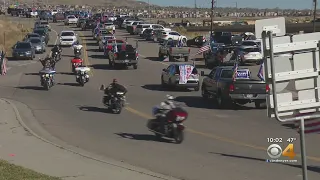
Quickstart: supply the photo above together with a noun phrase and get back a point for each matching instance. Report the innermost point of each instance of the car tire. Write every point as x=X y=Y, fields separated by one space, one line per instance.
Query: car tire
x=163 y=84
x=135 y=66
x=257 y=104
x=204 y=92
x=197 y=88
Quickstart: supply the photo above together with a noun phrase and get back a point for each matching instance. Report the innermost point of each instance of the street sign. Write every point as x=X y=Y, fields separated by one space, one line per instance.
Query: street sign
x=292 y=73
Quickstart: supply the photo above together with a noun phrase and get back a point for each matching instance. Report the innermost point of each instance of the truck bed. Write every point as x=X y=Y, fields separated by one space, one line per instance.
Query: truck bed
x=251 y=86
x=179 y=51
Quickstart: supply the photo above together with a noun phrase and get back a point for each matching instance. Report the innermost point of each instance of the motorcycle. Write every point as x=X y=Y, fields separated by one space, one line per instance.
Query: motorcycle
x=56 y=56
x=115 y=102
x=76 y=62
x=173 y=125
x=77 y=51
x=47 y=78
x=82 y=76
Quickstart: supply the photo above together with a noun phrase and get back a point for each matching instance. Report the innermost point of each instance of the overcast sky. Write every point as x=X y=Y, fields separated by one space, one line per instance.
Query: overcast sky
x=284 y=4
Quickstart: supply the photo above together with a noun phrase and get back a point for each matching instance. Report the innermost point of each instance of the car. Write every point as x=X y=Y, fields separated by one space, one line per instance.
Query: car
x=68 y=38
x=43 y=33
x=220 y=85
x=23 y=50
x=103 y=41
x=80 y=21
x=170 y=77
x=196 y=41
x=249 y=54
x=173 y=35
x=46 y=24
x=38 y=44
x=71 y=19
x=32 y=35
x=58 y=17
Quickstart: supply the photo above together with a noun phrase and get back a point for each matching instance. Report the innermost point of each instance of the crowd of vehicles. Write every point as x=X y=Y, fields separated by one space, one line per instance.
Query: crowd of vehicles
x=218 y=85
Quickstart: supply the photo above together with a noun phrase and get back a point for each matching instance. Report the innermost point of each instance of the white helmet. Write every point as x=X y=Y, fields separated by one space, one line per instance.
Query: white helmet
x=169 y=97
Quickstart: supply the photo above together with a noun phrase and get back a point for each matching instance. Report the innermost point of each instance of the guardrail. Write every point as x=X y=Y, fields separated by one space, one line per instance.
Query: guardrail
x=291 y=28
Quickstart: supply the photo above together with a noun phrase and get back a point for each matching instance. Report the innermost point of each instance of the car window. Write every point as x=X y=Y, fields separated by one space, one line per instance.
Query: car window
x=248 y=43
x=67 y=34
x=145 y=26
x=226 y=73
x=33 y=35
x=71 y=17
x=212 y=73
x=44 y=23
x=35 y=40
x=139 y=26
x=23 y=46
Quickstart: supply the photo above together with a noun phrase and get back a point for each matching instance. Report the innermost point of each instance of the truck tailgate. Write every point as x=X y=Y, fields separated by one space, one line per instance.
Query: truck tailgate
x=177 y=51
x=249 y=87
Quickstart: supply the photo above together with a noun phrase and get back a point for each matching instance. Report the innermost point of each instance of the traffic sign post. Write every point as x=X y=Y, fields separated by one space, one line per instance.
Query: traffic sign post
x=292 y=71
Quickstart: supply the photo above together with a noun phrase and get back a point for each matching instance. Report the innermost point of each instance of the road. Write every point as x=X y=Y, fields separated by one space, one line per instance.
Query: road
x=225 y=144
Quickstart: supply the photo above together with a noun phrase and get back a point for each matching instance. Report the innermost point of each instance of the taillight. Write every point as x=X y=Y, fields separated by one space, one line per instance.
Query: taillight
x=231 y=88
x=115 y=55
x=189 y=50
x=137 y=54
x=267 y=88
x=164 y=35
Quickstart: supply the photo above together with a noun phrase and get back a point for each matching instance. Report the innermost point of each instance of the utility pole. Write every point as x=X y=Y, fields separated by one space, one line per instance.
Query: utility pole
x=236 y=11
x=314 y=14
x=195 y=8
x=212 y=7
x=149 y=14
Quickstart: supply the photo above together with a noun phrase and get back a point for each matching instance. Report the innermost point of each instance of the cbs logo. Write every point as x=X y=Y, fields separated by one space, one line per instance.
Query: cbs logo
x=275 y=151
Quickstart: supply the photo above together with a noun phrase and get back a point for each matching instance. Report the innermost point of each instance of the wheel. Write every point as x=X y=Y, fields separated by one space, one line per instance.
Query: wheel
x=219 y=101
x=204 y=92
x=178 y=137
x=135 y=66
x=197 y=88
x=160 y=56
x=163 y=84
x=186 y=59
x=257 y=104
x=171 y=59
x=158 y=136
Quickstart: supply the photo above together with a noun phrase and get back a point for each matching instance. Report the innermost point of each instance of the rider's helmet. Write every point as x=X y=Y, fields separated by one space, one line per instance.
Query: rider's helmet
x=170 y=98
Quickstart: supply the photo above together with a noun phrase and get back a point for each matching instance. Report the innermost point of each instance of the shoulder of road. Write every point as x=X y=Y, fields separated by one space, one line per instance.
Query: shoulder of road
x=20 y=146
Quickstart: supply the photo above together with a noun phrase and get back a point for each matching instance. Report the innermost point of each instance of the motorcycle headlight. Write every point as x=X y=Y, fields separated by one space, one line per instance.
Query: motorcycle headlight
x=43 y=75
x=47 y=75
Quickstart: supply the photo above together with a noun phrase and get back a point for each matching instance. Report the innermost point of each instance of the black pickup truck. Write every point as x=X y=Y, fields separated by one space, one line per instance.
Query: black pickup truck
x=226 y=91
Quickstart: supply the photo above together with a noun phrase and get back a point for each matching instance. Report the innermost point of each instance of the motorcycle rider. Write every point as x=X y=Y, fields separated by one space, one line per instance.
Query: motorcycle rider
x=112 y=89
x=48 y=62
x=76 y=46
x=57 y=49
x=166 y=106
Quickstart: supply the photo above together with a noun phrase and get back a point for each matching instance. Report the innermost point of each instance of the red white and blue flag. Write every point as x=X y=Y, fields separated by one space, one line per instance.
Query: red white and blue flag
x=235 y=71
x=310 y=125
x=203 y=49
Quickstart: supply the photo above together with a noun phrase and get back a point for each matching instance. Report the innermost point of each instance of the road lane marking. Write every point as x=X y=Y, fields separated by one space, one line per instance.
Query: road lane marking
x=216 y=137
x=86 y=58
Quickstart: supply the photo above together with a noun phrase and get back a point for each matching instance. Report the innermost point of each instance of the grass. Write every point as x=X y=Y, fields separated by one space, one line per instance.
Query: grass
x=12 y=172
x=10 y=33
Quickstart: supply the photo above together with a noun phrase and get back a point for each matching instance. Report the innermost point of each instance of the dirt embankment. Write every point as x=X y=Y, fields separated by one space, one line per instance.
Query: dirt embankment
x=10 y=33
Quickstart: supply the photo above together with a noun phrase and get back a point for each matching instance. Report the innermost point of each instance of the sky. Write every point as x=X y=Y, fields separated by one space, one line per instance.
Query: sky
x=283 y=4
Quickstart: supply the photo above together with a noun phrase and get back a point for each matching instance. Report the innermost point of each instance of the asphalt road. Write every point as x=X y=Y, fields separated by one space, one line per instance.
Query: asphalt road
x=219 y=144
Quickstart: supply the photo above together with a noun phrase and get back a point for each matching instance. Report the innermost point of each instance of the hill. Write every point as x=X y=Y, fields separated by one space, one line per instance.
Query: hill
x=117 y=3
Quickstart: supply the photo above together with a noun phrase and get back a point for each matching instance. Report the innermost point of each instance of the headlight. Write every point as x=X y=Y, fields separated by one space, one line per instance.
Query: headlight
x=47 y=75
x=28 y=52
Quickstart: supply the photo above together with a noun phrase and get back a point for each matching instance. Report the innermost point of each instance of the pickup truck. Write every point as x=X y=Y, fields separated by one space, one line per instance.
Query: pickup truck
x=170 y=49
x=126 y=55
x=226 y=91
x=58 y=17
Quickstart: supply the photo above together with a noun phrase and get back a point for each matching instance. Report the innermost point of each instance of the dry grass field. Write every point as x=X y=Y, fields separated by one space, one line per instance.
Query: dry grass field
x=10 y=33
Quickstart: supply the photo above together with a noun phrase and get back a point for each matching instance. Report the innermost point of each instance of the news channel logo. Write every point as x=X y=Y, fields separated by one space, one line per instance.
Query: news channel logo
x=275 y=151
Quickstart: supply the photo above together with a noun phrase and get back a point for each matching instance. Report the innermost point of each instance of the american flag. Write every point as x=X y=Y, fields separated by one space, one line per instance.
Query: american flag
x=260 y=72
x=203 y=49
x=235 y=70
x=4 y=66
x=310 y=125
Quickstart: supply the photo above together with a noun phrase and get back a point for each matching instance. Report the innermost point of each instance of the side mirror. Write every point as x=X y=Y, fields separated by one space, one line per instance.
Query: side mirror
x=164 y=70
x=102 y=87
x=202 y=73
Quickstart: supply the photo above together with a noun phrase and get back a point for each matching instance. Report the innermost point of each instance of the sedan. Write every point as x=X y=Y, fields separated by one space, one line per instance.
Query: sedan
x=23 y=50
x=38 y=44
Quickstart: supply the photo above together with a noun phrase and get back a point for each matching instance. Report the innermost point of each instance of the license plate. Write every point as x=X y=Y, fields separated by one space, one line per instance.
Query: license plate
x=249 y=95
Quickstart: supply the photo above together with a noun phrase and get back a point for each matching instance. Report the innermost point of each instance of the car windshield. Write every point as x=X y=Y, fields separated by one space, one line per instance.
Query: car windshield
x=35 y=41
x=67 y=34
x=41 y=32
x=226 y=74
x=23 y=46
x=108 y=24
x=33 y=35
x=107 y=37
x=71 y=17
x=44 y=23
